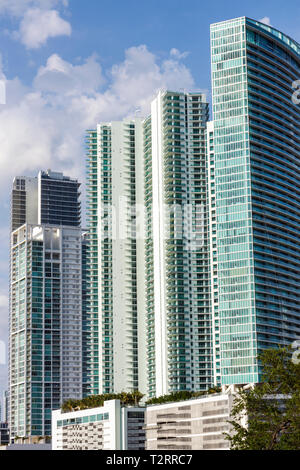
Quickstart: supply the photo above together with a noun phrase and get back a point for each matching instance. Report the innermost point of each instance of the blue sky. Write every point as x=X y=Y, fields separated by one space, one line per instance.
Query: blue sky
x=69 y=64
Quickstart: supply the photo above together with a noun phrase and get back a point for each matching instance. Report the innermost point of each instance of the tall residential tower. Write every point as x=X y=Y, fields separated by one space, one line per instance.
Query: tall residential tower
x=254 y=171
x=179 y=346
x=148 y=266
x=46 y=328
x=115 y=186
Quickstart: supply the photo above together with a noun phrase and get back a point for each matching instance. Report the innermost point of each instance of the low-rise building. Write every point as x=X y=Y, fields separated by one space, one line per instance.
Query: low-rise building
x=30 y=447
x=109 y=427
x=4 y=434
x=196 y=424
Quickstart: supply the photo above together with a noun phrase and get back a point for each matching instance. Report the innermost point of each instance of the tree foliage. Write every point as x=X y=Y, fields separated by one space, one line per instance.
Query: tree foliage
x=95 y=401
x=181 y=396
x=272 y=407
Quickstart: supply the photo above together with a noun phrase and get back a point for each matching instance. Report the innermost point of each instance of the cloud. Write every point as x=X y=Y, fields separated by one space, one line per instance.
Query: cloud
x=3 y=301
x=61 y=77
x=38 y=20
x=18 y=8
x=266 y=20
x=177 y=54
x=37 y=26
x=43 y=126
x=139 y=76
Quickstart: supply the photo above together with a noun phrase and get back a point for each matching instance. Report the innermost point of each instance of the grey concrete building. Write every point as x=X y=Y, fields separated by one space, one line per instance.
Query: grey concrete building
x=196 y=424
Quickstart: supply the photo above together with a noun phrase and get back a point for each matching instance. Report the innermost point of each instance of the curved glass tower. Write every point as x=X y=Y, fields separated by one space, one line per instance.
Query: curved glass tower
x=254 y=170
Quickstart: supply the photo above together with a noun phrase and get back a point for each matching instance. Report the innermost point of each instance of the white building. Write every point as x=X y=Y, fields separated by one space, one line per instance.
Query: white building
x=109 y=427
x=178 y=319
x=114 y=187
x=149 y=268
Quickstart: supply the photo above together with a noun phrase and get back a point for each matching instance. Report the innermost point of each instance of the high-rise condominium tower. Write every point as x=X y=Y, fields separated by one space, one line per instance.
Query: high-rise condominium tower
x=115 y=183
x=4 y=413
x=254 y=177
x=179 y=348
x=148 y=267
x=46 y=327
x=49 y=198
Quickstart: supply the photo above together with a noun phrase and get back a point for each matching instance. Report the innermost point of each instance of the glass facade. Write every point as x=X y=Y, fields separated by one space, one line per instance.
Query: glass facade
x=86 y=320
x=149 y=285
x=18 y=205
x=59 y=203
x=83 y=420
x=179 y=330
x=92 y=253
x=46 y=334
x=48 y=307
x=35 y=337
x=112 y=257
x=255 y=184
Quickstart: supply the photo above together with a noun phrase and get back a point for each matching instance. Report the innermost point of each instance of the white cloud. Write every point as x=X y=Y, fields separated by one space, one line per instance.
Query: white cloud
x=3 y=301
x=43 y=126
x=139 y=76
x=59 y=76
x=177 y=54
x=18 y=8
x=266 y=20
x=37 y=26
x=38 y=20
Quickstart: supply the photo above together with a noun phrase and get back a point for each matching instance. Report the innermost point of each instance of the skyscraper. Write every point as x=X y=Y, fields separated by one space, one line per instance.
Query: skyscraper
x=214 y=279
x=179 y=336
x=49 y=198
x=148 y=267
x=24 y=201
x=58 y=199
x=254 y=172
x=115 y=182
x=46 y=327
x=4 y=414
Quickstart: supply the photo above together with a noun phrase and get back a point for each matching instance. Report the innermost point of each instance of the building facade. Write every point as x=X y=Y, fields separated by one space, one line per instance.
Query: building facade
x=58 y=199
x=45 y=325
x=114 y=188
x=4 y=434
x=212 y=278
x=24 y=201
x=149 y=267
x=46 y=315
x=197 y=424
x=110 y=427
x=254 y=178
x=49 y=198
x=4 y=408
x=179 y=330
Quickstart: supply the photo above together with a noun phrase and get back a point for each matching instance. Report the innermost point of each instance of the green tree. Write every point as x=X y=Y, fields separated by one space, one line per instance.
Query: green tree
x=272 y=407
x=94 y=401
x=181 y=396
